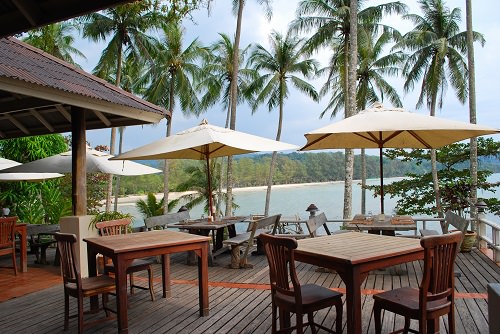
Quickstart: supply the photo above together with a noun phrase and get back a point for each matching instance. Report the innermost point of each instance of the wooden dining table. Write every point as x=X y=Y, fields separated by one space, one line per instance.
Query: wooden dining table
x=23 y=239
x=122 y=249
x=353 y=255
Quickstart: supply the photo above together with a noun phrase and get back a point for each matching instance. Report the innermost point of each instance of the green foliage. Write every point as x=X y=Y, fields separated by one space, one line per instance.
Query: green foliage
x=105 y=216
x=416 y=191
x=152 y=207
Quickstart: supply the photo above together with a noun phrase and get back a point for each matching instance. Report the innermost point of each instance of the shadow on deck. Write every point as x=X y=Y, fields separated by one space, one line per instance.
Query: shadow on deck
x=239 y=299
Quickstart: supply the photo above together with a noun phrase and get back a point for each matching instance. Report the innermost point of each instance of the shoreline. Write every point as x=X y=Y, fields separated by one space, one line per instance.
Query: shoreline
x=131 y=199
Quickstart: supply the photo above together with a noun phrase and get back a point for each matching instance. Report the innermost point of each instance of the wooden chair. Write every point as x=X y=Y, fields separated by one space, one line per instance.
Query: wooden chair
x=8 y=239
x=75 y=285
x=434 y=298
x=121 y=226
x=295 y=298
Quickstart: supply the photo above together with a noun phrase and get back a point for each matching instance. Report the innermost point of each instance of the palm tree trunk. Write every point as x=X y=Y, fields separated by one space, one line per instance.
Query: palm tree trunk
x=363 y=181
x=169 y=132
x=435 y=179
x=274 y=156
x=234 y=99
x=121 y=130
x=472 y=109
x=112 y=142
x=351 y=104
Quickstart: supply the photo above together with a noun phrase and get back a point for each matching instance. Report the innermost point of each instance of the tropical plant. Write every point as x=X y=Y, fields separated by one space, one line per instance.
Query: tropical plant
x=152 y=207
x=56 y=39
x=197 y=184
x=280 y=68
x=126 y=28
x=374 y=66
x=334 y=23
x=437 y=49
x=416 y=191
x=26 y=199
x=219 y=72
x=172 y=77
x=103 y=216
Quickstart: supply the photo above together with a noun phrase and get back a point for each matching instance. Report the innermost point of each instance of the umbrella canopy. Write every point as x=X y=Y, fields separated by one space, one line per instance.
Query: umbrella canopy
x=380 y=127
x=203 y=142
x=96 y=162
x=6 y=163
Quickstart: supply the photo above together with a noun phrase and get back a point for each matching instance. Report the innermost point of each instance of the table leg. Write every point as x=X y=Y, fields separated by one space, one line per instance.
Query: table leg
x=165 y=271
x=352 y=280
x=92 y=267
x=121 y=294
x=203 y=280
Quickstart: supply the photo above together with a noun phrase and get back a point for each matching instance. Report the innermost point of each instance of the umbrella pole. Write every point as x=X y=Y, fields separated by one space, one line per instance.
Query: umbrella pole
x=210 y=206
x=381 y=180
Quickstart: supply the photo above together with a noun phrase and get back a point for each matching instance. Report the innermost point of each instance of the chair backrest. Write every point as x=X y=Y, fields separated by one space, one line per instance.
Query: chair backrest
x=452 y=219
x=315 y=222
x=281 y=260
x=114 y=227
x=66 y=243
x=163 y=220
x=7 y=232
x=437 y=283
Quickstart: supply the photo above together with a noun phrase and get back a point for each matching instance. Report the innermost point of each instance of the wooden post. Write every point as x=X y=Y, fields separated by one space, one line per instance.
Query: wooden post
x=79 y=163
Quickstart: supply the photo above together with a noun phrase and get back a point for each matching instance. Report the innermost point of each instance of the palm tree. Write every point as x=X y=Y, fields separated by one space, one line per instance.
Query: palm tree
x=437 y=50
x=197 y=181
x=152 y=207
x=336 y=21
x=126 y=28
x=280 y=67
x=219 y=73
x=238 y=6
x=372 y=86
x=56 y=39
x=174 y=76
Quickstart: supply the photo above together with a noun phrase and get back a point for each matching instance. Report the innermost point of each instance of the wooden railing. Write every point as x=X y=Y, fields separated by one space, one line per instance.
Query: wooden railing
x=421 y=223
x=489 y=235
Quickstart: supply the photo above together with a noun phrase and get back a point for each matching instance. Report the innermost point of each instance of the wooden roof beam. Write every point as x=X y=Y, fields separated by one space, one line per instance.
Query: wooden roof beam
x=42 y=120
x=17 y=124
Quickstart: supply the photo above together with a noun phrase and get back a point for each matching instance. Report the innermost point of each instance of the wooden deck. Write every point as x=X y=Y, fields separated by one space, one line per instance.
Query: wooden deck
x=239 y=298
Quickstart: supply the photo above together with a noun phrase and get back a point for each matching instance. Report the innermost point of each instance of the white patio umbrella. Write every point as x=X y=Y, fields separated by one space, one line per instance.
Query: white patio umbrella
x=11 y=177
x=96 y=162
x=380 y=127
x=204 y=142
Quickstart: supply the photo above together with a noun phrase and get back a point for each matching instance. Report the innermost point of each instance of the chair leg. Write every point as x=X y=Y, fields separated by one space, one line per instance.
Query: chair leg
x=338 y=319
x=310 y=319
x=300 y=322
x=151 y=283
x=377 y=313
x=274 y=311
x=451 y=320
x=407 y=325
x=66 y=311
x=104 y=304
x=80 y=315
x=14 y=262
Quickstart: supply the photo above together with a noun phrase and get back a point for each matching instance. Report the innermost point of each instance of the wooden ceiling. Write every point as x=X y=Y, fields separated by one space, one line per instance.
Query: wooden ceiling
x=17 y=16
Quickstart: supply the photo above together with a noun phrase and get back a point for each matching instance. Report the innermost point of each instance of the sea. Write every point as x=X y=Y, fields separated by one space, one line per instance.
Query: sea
x=292 y=201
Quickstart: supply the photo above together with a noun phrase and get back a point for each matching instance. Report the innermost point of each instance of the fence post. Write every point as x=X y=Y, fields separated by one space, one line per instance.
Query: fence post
x=481 y=227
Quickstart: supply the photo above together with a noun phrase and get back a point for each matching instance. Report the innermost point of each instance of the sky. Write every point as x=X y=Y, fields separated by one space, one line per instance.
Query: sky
x=301 y=114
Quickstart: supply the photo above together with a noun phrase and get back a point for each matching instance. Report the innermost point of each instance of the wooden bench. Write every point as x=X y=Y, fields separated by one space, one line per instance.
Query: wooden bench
x=40 y=237
x=314 y=223
x=161 y=222
x=450 y=219
x=257 y=227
